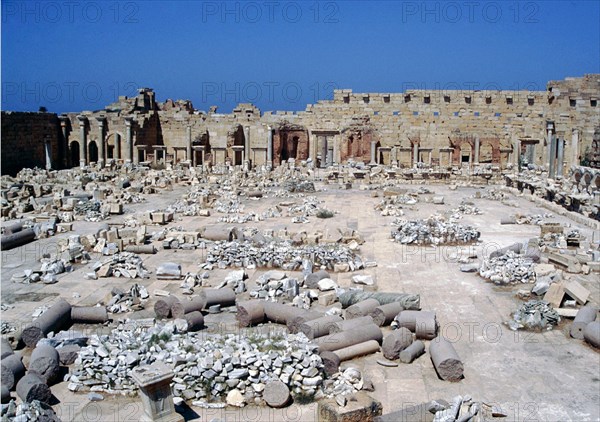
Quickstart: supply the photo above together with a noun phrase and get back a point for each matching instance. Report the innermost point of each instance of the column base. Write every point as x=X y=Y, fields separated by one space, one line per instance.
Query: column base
x=173 y=417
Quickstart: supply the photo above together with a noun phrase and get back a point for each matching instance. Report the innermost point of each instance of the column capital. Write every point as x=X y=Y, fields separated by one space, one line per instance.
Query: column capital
x=82 y=119
x=101 y=120
x=64 y=120
x=128 y=120
x=550 y=125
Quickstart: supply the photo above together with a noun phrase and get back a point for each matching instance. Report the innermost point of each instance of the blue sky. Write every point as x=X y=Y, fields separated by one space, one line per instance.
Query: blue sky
x=281 y=55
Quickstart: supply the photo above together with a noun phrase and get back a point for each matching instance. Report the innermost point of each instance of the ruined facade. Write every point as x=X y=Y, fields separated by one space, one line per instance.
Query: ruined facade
x=556 y=128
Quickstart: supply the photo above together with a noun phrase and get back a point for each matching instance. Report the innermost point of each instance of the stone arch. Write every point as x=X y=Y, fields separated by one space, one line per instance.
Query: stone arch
x=114 y=145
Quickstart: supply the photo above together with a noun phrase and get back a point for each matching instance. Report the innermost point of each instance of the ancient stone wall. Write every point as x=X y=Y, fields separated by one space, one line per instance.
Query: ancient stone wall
x=438 y=128
x=23 y=139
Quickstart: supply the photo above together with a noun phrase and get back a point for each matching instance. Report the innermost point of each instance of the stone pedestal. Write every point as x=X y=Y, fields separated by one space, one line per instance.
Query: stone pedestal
x=155 y=392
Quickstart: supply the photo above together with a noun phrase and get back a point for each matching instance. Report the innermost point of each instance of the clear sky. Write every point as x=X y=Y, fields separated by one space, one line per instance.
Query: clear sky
x=281 y=55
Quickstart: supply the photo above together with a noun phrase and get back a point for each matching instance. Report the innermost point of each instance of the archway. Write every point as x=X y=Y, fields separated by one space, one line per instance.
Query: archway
x=113 y=145
x=75 y=153
x=93 y=152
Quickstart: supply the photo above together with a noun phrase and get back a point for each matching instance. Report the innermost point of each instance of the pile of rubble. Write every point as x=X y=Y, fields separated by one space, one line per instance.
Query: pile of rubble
x=508 y=268
x=91 y=211
x=28 y=412
x=344 y=383
x=296 y=185
x=211 y=367
x=281 y=254
x=434 y=230
x=465 y=208
x=127 y=301
x=228 y=206
x=47 y=273
x=252 y=216
x=534 y=315
x=122 y=264
x=274 y=284
x=393 y=206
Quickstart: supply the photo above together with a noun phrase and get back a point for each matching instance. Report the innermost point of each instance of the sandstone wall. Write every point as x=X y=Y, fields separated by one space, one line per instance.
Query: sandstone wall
x=23 y=136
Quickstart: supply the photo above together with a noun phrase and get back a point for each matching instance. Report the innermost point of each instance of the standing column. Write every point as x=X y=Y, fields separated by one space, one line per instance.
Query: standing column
x=66 y=158
x=117 y=150
x=247 y=146
x=561 y=156
x=189 y=143
x=336 y=151
x=128 y=140
x=373 y=152
x=83 y=137
x=516 y=150
x=429 y=159
x=415 y=154
x=324 y=151
x=269 y=147
x=48 y=152
x=450 y=157
x=477 y=150
x=101 y=154
x=575 y=148
x=551 y=149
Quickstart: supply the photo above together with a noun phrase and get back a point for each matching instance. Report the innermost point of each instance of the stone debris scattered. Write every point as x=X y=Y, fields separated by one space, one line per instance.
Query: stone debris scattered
x=28 y=412
x=126 y=301
x=207 y=367
x=434 y=230
x=534 y=315
x=282 y=254
x=122 y=264
x=509 y=268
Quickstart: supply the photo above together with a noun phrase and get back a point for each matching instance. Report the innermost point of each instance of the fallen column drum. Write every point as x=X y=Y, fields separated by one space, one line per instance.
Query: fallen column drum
x=55 y=318
x=343 y=339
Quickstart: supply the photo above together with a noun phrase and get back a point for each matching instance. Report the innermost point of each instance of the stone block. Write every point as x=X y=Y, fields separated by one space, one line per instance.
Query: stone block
x=360 y=407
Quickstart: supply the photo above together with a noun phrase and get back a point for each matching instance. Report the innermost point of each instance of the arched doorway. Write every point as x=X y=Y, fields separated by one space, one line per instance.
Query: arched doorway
x=93 y=152
x=75 y=153
x=113 y=146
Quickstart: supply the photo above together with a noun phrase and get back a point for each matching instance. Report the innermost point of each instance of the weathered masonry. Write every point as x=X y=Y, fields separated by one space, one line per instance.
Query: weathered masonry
x=556 y=129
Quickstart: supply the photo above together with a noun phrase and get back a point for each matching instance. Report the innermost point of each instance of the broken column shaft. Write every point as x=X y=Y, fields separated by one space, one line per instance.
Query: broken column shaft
x=55 y=318
x=33 y=387
x=318 y=327
x=89 y=314
x=446 y=361
x=385 y=314
x=45 y=362
x=343 y=339
x=250 y=312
